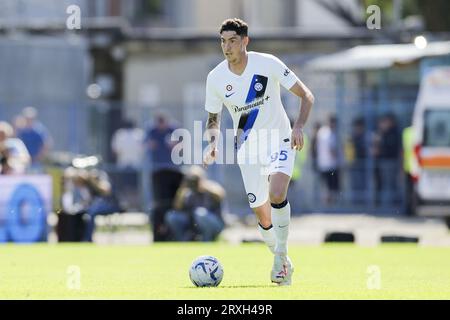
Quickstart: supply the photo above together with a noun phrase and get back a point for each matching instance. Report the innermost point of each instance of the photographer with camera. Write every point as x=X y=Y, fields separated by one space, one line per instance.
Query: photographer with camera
x=198 y=208
x=104 y=201
x=88 y=193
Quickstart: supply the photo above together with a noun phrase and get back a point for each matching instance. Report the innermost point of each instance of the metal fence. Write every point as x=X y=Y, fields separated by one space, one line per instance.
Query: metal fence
x=79 y=125
x=359 y=180
x=368 y=185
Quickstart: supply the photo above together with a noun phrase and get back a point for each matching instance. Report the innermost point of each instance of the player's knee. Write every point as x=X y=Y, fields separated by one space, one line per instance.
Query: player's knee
x=277 y=197
x=265 y=222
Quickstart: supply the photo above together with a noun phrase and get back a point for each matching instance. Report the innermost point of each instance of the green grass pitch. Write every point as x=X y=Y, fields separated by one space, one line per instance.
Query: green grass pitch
x=160 y=271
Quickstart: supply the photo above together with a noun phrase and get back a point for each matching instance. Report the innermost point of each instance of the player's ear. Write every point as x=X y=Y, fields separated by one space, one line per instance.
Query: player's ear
x=245 y=40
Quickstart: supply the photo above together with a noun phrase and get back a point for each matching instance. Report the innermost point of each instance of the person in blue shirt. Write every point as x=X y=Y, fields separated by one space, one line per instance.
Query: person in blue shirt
x=359 y=166
x=387 y=149
x=159 y=144
x=166 y=176
x=36 y=138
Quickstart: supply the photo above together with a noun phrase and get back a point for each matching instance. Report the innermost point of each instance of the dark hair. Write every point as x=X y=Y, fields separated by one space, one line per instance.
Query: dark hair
x=128 y=124
x=237 y=25
x=332 y=119
x=359 y=122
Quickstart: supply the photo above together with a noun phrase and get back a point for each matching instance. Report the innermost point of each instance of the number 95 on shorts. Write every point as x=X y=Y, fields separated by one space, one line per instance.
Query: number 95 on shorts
x=282 y=161
x=256 y=176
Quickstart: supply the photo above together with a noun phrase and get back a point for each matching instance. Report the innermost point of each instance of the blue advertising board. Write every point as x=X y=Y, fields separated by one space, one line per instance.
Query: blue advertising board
x=25 y=201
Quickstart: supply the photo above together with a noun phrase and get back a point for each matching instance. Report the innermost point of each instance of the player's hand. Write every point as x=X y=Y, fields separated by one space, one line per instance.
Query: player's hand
x=210 y=155
x=297 y=138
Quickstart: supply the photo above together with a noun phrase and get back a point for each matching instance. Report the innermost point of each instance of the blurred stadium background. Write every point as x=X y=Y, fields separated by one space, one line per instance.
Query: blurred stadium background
x=134 y=59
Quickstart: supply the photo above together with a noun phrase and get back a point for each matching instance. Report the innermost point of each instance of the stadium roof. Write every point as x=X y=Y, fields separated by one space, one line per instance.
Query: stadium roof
x=370 y=57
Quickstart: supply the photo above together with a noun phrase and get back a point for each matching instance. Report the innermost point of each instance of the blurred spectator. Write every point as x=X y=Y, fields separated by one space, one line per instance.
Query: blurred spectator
x=387 y=148
x=159 y=148
x=76 y=195
x=126 y=144
x=14 y=157
x=75 y=201
x=359 y=165
x=314 y=165
x=35 y=136
x=166 y=177
x=300 y=159
x=328 y=158
x=159 y=144
x=410 y=167
x=88 y=192
x=104 y=200
x=19 y=123
x=198 y=208
x=316 y=128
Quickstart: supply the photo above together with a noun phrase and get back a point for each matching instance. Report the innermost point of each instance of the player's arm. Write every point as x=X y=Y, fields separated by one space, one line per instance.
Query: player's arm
x=307 y=98
x=213 y=122
x=212 y=136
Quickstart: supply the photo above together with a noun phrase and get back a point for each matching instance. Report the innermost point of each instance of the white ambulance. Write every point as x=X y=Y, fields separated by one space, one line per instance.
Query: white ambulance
x=431 y=130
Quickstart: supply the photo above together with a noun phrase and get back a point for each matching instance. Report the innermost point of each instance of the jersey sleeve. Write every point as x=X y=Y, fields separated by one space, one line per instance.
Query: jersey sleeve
x=283 y=74
x=213 y=103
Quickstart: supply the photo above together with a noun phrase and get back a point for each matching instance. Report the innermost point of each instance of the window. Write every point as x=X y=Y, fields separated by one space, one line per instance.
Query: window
x=437 y=128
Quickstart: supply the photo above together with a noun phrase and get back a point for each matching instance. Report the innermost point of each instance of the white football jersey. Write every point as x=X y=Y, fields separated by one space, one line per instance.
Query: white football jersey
x=253 y=100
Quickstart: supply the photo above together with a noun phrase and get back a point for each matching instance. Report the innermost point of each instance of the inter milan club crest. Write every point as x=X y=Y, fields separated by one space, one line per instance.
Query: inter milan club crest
x=229 y=87
x=251 y=197
x=259 y=86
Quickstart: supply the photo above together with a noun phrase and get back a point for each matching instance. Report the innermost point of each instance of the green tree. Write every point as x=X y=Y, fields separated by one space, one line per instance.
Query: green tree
x=385 y=6
x=435 y=14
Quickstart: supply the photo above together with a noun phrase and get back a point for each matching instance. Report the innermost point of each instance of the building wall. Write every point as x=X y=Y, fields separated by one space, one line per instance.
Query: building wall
x=312 y=16
x=153 y=81
x=38 y=9
x=203 y=15
x=262 y=15
x=51 y=74
x=210 y=14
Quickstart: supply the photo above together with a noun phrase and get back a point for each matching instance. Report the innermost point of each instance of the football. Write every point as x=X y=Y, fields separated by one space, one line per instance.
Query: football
x=206 y=271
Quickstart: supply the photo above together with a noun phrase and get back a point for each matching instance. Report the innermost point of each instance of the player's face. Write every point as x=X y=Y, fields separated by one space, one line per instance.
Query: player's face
x=233 y=46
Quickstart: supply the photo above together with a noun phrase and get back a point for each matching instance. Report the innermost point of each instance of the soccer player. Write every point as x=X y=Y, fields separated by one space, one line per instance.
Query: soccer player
x=248 y=84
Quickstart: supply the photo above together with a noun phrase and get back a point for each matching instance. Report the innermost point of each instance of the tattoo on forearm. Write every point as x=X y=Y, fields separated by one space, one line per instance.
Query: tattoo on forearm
x=212 y=125
x=213 y=121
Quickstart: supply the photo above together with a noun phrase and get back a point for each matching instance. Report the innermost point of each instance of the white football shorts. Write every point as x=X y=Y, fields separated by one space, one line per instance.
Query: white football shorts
x=256 y=175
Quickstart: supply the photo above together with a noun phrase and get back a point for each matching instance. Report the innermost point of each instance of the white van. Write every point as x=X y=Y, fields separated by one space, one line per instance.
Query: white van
x=431 y=130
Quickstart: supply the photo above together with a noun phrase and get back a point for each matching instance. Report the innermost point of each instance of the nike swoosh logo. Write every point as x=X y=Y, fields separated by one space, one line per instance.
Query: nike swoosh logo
x=283 y=226
x=229 y=95
x=278 y=167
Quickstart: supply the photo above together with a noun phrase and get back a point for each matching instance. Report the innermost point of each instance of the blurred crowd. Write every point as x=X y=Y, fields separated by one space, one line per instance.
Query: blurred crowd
x=24 y=144
x=367 y=156
x=185 y=205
